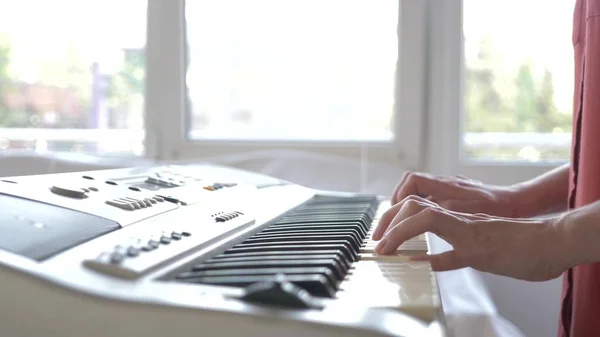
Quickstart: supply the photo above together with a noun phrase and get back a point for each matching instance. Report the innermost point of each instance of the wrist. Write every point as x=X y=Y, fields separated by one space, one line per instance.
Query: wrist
x=580 y=230
x=523 y=198
x=566 y=243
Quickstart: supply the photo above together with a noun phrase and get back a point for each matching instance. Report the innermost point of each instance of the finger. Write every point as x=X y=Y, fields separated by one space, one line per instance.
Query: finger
x=427 y=185
x=387 y=219
x=429 y=219
x=395 y=199
x=449 y=260
x=410 y=206
x=462 y=206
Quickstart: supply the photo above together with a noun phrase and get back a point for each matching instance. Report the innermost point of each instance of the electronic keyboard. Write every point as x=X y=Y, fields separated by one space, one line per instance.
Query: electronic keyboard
x=202 y=250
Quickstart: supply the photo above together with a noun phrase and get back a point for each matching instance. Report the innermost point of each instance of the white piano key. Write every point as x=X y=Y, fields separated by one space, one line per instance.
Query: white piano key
x=395 y=284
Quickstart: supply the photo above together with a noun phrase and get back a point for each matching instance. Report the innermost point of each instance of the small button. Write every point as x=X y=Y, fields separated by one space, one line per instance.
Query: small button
x=133 y=251
x=140 y=203
x=88 y=177
x=64 y=191
x=94 y=189
x=153 y=244
x=121 y=204
x=110 y=182
x=186 y=234
x=135 y=188
x=85 y=190
x=176 y=236
x=169 y=198
x=165 y=240
x=117 y=257
x=129 y=202
x=159 y=199
x=152 y=201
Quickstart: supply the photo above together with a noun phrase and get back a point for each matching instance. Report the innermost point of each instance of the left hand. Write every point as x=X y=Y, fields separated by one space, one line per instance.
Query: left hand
x=533 y=250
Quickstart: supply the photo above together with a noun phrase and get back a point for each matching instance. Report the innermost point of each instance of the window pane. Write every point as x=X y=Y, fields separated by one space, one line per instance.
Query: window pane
x=519 y=79
x=72 y=75
x=310 y=70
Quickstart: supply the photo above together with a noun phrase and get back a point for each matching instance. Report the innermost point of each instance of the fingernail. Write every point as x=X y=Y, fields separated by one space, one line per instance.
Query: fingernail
x=381 y=245
x=375 y=234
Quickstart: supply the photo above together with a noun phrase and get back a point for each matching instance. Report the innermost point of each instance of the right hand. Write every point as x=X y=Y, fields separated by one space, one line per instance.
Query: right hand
x=457 y=193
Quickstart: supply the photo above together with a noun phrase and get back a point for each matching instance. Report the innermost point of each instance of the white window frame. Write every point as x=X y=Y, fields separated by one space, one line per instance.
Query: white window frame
x=166 y=114
x=446 y=109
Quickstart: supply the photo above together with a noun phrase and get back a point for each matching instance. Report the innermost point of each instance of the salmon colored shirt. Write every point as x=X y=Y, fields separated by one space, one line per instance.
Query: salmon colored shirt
x=580 y=312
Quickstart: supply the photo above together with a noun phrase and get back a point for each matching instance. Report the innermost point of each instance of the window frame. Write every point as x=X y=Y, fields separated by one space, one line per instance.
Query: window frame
x=167 y=117
x=445 y=100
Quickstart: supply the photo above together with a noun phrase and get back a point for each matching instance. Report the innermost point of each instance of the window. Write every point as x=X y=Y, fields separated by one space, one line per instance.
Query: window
x=291 y=70
x=179 y=80
x=72 y=75
x=327 y=77
x=518 y=80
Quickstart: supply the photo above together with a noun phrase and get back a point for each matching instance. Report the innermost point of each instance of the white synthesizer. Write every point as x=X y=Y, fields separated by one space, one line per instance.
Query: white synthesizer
x=202 y=250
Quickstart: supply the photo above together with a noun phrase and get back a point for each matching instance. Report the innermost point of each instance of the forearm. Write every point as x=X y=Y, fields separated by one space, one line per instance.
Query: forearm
x=545 y=194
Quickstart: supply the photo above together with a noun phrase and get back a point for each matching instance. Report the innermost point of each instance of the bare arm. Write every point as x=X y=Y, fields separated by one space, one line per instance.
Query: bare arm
x=545 y=194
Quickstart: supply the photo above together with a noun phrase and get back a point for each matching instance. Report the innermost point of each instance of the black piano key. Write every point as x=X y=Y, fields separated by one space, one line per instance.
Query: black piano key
x=346 y=203
x=306 y=246
x=235 y=258
x=330 y=264
x=342 y=244
x=331 y=278
x=317 y=215
x=316 y=226
x=308 y=219
x=335 y=208
x=299 y=237
x=315 y=284
x=286 y=231
x=337 y=255
x=353 y=233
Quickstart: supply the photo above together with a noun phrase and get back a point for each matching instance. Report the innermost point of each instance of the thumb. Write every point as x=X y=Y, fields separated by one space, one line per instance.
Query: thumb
x=442 y=262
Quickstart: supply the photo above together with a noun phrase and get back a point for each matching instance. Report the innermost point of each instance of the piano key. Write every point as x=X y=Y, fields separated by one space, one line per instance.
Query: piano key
x=331 y=264
x=234 y=258
x=416 y=244
x=358 y=216
x=335 y=224
x=357 y=238
x=315 y=284
x=323 y=222
x=340 y=244
x=400 y=285
x=350 y=255
x=360 y=211
x=194 y=275
x=318 y=226
x=287 y=232
x=310 y=230
x=338 y=210
x=335 y=238
x=307 y=254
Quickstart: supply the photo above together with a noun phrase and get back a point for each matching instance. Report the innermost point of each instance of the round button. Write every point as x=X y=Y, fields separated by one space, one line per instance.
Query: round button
x=71 y=192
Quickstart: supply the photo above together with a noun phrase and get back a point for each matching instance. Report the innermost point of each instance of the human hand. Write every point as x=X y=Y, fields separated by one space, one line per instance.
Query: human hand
x=459 y=194
x=533 y=250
